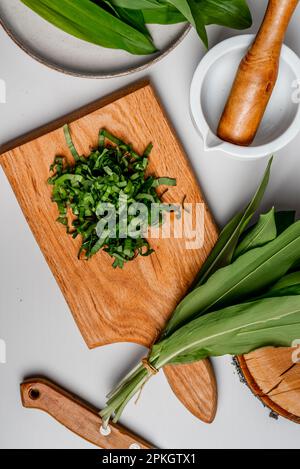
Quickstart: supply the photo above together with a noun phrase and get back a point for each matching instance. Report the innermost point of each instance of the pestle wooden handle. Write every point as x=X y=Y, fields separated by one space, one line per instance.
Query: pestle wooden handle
x=77 y=416
x=256 y=77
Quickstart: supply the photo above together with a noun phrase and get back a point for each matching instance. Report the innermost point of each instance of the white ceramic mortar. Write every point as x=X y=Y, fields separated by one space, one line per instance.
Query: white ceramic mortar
x=210 y=89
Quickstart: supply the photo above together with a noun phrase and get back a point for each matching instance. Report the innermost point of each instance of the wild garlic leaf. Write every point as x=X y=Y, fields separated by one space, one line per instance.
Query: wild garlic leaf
x=154 y=11
x=234 y=330
x=184 y=8
x=263 y=231
x=245 y=277
x=167 y=14
x=193 y=16
x=92 y=23
x=92 y=190
x=229 y=13
x=287 y=286
x=199 y=22
x=103 y=23
x=223 y=251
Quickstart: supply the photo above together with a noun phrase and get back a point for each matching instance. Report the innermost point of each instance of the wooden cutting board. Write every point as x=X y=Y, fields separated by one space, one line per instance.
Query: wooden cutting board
x=273 y=375
x=133 y=304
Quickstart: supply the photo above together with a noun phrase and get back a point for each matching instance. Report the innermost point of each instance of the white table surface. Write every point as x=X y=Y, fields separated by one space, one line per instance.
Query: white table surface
x=35 y=322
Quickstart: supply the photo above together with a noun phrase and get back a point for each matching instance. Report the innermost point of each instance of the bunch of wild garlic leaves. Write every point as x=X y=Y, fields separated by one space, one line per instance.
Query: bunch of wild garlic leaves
x=246 y=296
x=122 y=24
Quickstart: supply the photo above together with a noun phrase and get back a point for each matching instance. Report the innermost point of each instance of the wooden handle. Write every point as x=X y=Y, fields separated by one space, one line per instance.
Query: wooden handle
x=256 y=77
x=77 y=416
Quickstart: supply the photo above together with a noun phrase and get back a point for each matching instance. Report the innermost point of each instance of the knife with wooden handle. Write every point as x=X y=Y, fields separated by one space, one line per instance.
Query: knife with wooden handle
x=77 y=416
x=256 y=77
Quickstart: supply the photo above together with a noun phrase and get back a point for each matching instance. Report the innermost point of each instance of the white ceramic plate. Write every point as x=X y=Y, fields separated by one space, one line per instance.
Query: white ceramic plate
x=70 y=55
x=210 y=89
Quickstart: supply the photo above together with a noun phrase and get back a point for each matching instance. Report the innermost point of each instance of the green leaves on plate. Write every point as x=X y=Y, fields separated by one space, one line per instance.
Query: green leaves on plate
x=137 y=4
x=88 y=21
x=248 y=297
x=184 y=8
x=263 y=232
x=121 y=24
x=247 y=276
x=234 y=330
x=229 y=13
x=286 y=286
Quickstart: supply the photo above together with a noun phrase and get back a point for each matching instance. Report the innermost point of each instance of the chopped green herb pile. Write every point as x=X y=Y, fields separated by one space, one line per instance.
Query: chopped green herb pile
x=107 y=182
x=121 y=24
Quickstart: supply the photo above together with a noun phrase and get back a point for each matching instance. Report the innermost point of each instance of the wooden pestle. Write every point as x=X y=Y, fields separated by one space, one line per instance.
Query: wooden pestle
x=256 y=77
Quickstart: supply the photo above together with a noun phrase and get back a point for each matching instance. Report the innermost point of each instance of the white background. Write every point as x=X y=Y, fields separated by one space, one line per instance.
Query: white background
x=35 y=322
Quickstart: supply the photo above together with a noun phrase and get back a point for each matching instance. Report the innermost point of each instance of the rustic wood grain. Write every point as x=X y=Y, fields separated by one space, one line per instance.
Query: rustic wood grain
x=273 y=376
x=76 y=415
x=110 y=305
x=195 y=386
